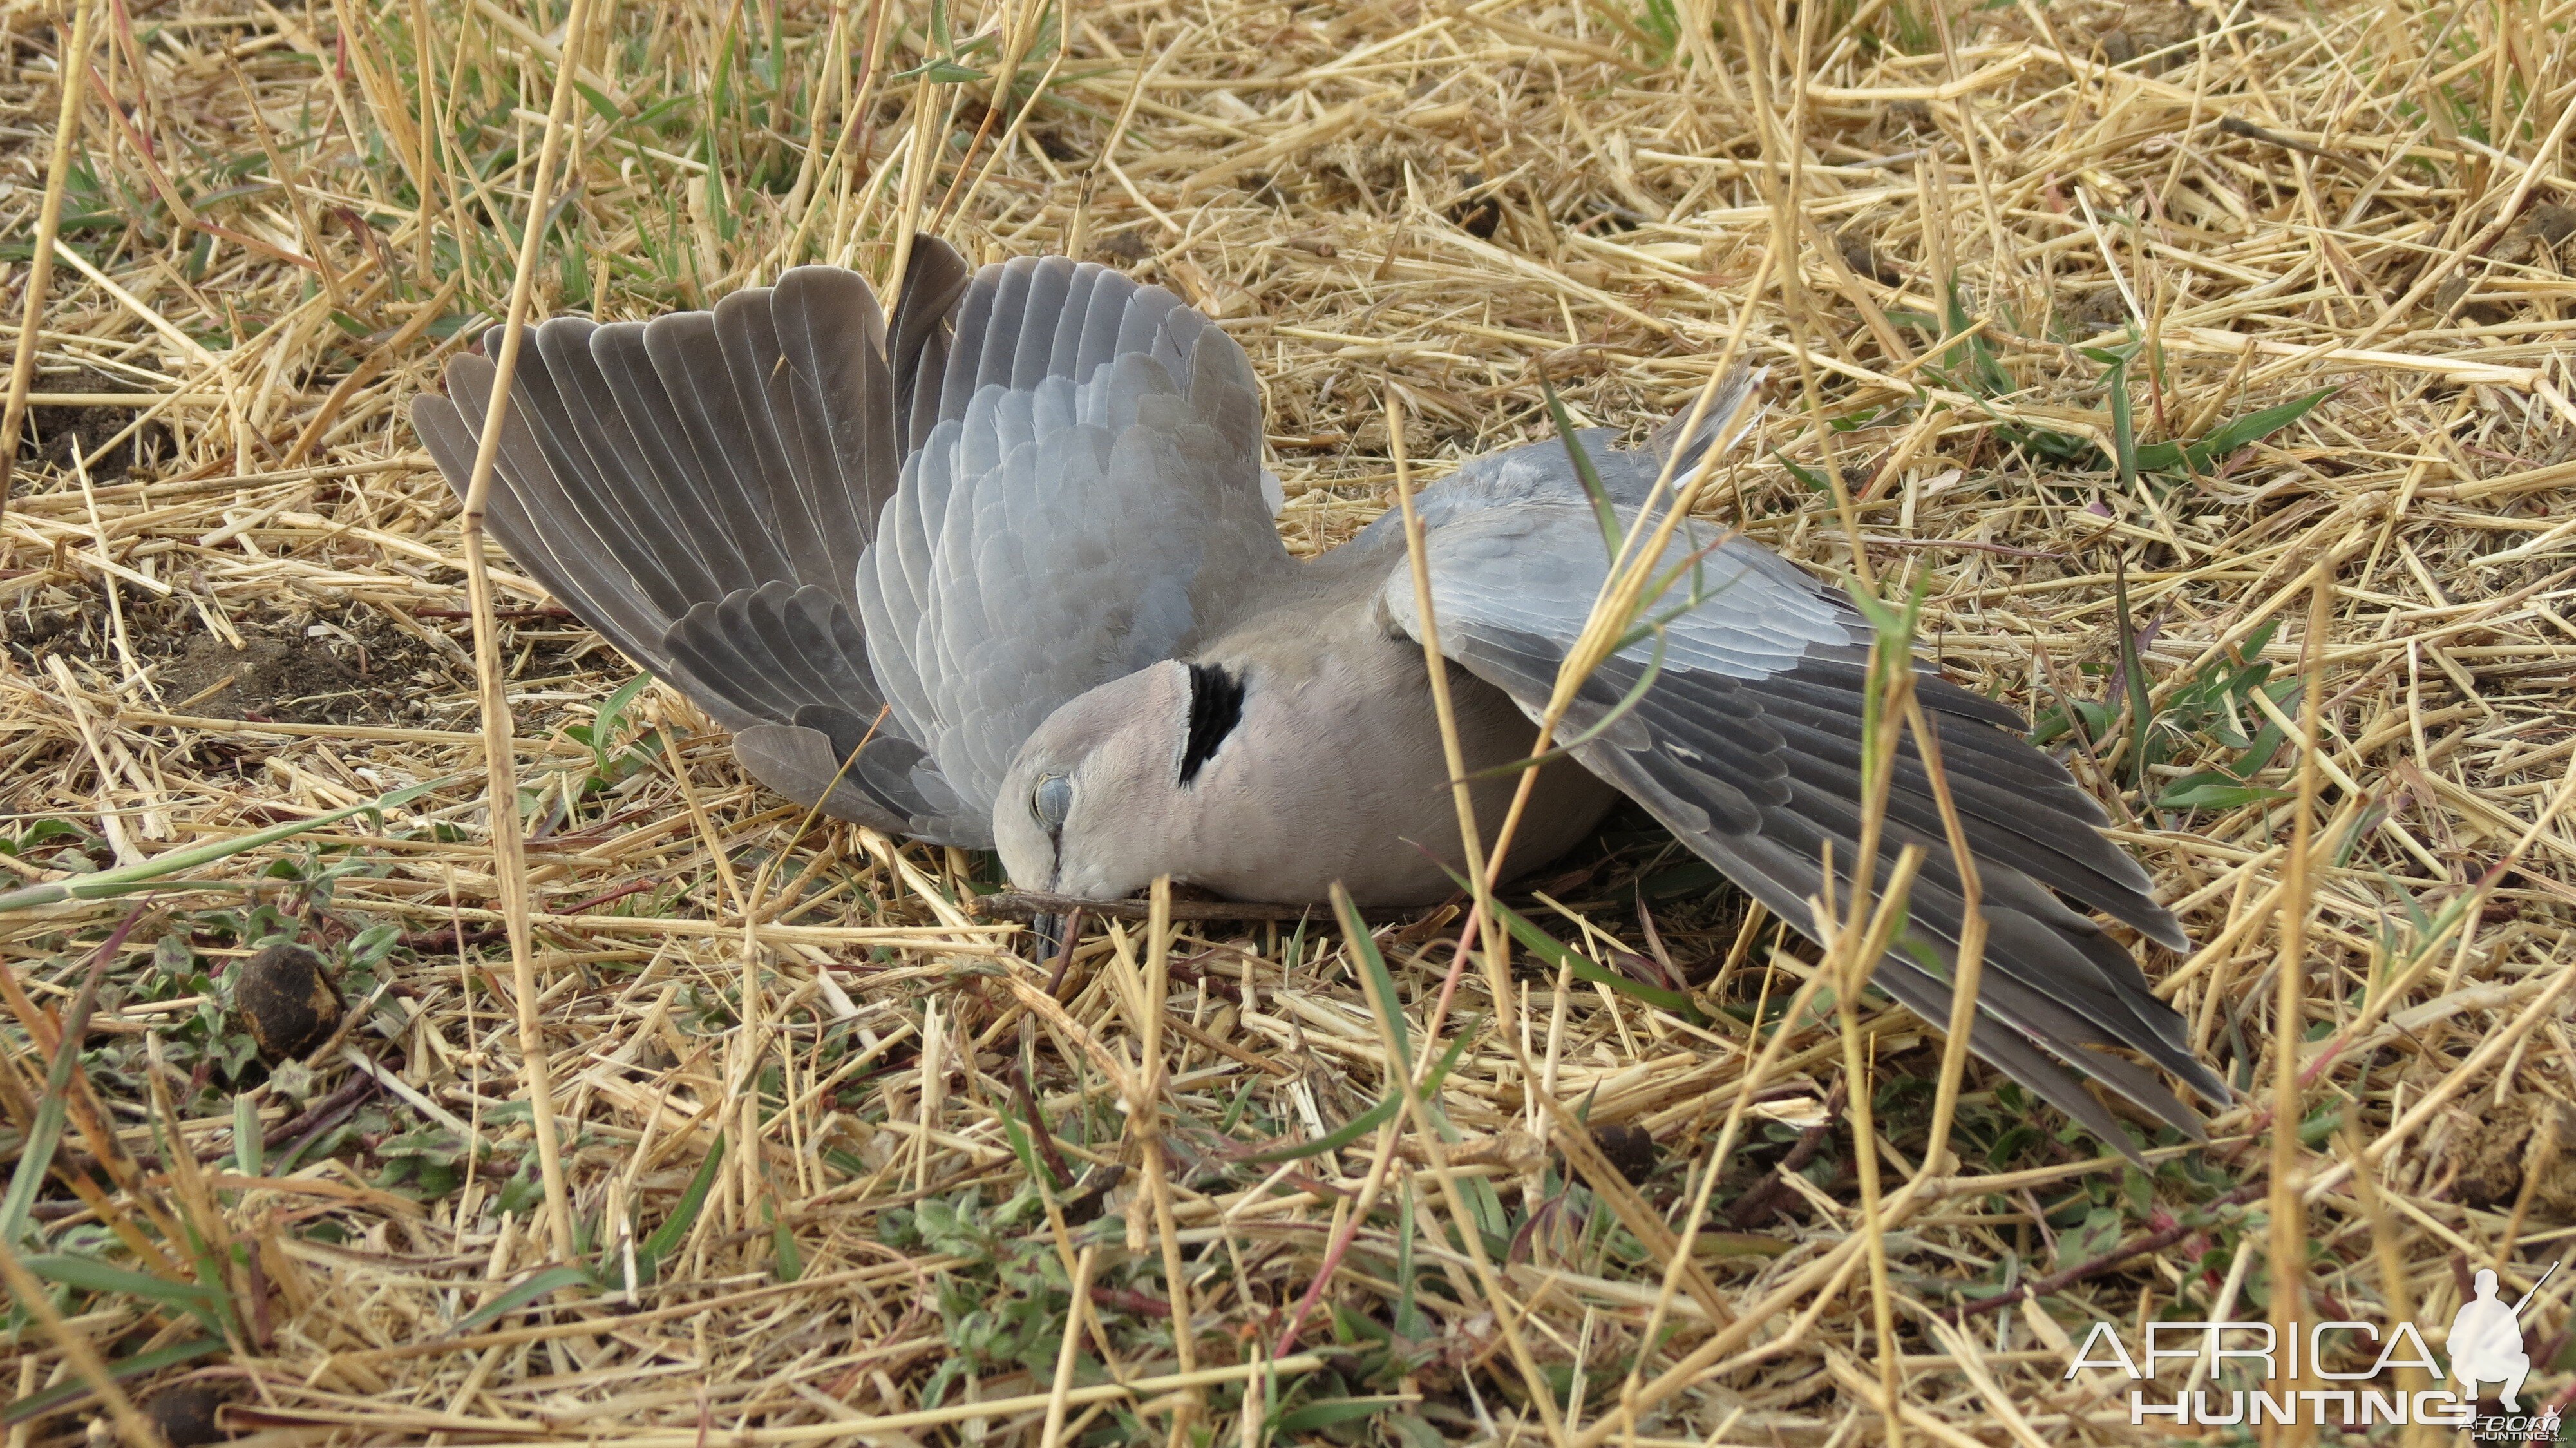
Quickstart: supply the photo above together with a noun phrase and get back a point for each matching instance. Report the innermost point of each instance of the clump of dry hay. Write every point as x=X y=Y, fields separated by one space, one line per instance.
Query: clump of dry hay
x=233 y=598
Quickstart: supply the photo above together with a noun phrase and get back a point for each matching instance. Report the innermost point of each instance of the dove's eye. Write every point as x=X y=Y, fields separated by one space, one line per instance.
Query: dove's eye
x=1051 y=801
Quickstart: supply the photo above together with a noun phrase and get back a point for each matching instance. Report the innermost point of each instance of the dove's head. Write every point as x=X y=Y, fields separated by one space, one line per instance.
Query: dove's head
x=1115 y=788
x=1271 y=774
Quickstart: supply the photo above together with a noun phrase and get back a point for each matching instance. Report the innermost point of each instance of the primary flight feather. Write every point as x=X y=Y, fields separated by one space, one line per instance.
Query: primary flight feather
x=1016 y=541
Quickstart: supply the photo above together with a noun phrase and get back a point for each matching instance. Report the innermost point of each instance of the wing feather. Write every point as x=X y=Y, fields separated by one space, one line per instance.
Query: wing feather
x=1747 y=745
x=625 y=486
x=1088 y=501
x=702 y=489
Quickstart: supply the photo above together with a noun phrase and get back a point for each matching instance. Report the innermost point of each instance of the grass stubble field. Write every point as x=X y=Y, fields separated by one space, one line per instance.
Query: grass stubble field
x=2202 y=364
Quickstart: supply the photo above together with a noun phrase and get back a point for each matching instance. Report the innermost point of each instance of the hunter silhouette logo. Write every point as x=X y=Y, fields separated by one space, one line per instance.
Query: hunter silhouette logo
x=2486 y=1342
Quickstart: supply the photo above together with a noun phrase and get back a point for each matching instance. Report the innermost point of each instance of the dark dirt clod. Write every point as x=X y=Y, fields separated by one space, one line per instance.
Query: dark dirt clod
x=2452 y=301
x=1478 y=216
x=1630 y=1148
x=1122 y=248
x=1861 y=255
x=2552 y=224
x=2539 y=230
x=186 y=1415
x=1092 y=1198
x=2149 y=30
x=288 y=1000
x=2098 y=311
x=2499 y=1149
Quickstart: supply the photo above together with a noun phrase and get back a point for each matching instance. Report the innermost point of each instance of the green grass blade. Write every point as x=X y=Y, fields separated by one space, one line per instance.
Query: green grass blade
x=2124 y=427
x=1021 y=1146
x=606 y=108
x=2253 y=427
x=2212 y=789
x=2133 y=675
x=1602 y=512
x=789 y=1263
x=1988 y=375
x=1409 y=1321
x=544 y=1284
x=247 y=1145
x=2160 y=457
x=91 y=1275
x=1814 y=480
x=611 y=711
x=941 y=71
x=1566 y=745
x=36 y=1156
x=125 y=879
x=87 y=1274
x=1381 y=981
x=1364 y=1123
x=1330 y=1411
x=1382 y=986
x=675 y=1229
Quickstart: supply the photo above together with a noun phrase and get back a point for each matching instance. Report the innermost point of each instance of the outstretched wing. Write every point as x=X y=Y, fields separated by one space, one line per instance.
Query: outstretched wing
x=1746 y=744
x=701 y=488
x=708 y=490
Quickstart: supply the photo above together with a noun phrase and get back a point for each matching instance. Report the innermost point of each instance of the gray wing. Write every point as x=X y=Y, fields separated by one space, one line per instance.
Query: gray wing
x=700 y=489
x=1085 y=496
x=1747 y=742
x=1045 y=447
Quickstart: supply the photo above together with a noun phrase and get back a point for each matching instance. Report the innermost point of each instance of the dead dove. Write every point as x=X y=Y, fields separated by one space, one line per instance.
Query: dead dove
x=1000 y=571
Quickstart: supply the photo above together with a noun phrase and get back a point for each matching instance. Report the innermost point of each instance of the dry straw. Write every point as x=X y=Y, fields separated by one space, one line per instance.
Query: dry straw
x=2154 y=345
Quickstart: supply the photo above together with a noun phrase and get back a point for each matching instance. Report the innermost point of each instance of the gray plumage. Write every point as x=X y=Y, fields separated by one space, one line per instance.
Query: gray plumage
x=1016 y=539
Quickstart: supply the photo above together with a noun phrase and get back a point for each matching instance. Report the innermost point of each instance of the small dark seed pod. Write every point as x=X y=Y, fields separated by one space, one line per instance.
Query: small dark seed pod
x=288 y=1000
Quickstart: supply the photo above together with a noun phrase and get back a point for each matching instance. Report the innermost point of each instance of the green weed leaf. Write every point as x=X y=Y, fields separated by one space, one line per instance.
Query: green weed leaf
x=543 y=1284
x=1367 y=1121
x=1325 y=1414
x=1602 y=512
x=2253 y=427
x=675 y=1229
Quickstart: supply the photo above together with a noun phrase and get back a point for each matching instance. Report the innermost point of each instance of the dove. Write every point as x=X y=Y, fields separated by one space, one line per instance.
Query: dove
x=1000 y=569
